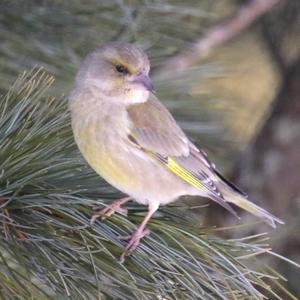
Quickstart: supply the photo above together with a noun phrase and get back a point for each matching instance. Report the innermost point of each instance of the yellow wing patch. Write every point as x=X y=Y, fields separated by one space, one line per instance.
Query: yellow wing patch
x=189 y=177
x=183 y=173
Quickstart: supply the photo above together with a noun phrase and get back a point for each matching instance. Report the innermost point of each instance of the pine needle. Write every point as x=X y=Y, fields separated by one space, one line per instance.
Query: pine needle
x=48 y=250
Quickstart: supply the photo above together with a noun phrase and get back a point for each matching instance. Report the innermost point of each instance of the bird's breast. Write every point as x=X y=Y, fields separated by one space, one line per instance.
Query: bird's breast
x=100 y=137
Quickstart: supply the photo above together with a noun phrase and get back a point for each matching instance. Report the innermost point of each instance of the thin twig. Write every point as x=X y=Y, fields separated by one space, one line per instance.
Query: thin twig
x=220 y=33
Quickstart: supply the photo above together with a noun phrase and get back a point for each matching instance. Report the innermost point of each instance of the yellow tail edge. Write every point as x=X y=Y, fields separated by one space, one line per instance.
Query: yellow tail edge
x=254 y=209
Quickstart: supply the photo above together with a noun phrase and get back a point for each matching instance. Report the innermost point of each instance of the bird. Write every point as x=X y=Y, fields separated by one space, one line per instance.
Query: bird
x=132 y=141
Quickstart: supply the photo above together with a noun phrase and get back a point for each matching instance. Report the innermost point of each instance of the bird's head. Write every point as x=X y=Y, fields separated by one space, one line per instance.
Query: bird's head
x=119 y=71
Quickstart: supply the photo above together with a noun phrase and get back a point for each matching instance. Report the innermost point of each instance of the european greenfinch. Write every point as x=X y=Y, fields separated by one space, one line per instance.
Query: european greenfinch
x=130 y=139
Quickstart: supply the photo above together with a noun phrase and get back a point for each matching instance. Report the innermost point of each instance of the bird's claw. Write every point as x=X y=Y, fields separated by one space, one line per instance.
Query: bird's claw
x=107 y=212
x=110 y=209
x=134 y=241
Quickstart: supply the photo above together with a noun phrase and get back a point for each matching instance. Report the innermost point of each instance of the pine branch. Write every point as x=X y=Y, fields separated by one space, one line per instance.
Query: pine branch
x=221 y=33
x=48 y=250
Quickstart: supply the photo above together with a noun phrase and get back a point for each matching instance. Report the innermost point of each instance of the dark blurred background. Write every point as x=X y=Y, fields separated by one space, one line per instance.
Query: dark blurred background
x=237 y=98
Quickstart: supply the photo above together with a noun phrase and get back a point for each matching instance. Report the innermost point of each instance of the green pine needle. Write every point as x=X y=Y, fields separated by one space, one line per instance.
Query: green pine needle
x=48 y=250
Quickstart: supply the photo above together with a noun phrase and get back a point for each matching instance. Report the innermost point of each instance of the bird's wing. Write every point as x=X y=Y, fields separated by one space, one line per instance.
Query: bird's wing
x=155 y=131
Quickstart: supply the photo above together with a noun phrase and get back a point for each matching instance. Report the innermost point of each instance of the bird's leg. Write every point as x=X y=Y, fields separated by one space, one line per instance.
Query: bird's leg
x=107 y=211
x=134 y=239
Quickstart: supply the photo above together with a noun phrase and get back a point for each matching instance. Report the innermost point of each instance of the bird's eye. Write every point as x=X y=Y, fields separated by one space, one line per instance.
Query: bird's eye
x=122 y=69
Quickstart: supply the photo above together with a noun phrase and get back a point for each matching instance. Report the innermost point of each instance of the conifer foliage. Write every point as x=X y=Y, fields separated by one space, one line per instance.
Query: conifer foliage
x=49 y=250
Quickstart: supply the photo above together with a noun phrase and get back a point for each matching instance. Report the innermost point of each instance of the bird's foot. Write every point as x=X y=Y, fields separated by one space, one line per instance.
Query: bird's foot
x=107 y=211
x=134 y=241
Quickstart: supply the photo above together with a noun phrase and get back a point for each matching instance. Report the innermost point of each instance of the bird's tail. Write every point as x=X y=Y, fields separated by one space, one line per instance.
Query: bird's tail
x=241 y=201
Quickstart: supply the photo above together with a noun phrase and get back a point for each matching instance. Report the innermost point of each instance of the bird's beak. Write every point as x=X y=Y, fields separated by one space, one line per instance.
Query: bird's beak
x=144 y=80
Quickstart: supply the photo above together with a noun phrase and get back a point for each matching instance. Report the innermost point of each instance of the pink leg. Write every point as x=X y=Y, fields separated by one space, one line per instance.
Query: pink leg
x=134 y=239
x=107 y=211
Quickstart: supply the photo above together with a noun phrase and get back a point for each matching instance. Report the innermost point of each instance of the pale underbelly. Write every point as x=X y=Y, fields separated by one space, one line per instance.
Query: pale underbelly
x=137 y=175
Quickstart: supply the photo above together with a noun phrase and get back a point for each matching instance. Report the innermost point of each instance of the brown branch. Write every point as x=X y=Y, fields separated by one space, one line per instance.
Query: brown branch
x=221 y=33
